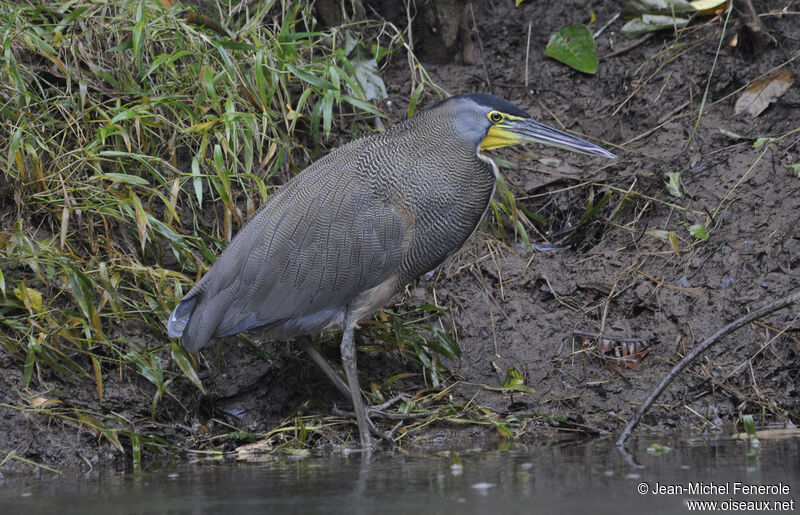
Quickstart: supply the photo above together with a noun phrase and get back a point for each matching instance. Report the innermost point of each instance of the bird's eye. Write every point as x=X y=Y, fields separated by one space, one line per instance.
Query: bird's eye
x=495 y=117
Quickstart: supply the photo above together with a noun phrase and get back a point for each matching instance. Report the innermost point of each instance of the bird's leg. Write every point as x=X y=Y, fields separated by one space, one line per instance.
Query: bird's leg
x=350 y=370
x=305 y=343
x=378 y=411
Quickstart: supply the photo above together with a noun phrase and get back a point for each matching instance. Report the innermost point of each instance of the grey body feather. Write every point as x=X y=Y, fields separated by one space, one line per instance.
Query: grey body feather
x=348 y=232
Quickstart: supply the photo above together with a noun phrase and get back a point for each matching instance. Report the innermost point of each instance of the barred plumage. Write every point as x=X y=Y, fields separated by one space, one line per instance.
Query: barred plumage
x=337 y=241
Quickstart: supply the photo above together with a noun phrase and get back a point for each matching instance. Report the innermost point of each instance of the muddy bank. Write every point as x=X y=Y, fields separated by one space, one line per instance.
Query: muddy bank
x=509 y=306
x=514 y=308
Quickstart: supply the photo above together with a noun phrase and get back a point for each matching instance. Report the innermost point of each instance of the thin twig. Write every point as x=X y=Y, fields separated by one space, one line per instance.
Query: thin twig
x=665 y=285
x=749 y=360
x=527 y=54
x=710 y=74
x=604 y=27
x=410 y=46
x=628 y=48
x=610 y=337
x=480 y=46
x=677 y=369
x=606 y=305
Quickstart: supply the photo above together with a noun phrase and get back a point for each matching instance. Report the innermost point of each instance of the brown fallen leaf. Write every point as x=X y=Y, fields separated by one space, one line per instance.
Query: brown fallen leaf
x=617 y=351
x=44 y=402
x=709 y=6
x=761 y=93
x=201 y=20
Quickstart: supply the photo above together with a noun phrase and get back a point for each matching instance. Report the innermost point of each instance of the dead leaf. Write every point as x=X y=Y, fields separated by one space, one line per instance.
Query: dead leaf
x=201 y=20
x=761 y=93
x=252 y=450
x=44 y=402
x=617 y=351
x=708 y=6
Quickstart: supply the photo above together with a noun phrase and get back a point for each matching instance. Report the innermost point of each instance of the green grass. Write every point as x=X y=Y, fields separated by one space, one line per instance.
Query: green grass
x=134 y=143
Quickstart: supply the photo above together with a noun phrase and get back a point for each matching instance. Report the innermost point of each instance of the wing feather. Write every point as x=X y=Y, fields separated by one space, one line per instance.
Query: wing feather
x=319 y=242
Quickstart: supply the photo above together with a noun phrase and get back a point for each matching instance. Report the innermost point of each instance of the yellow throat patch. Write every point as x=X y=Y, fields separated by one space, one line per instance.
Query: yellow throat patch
x=498 y=137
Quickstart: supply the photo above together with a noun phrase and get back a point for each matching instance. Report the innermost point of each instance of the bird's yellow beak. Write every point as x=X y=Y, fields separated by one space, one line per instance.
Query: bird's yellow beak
x=516 y=131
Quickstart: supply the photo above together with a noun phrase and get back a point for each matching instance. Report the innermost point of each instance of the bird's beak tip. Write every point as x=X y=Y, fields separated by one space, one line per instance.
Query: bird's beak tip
x=529 y=130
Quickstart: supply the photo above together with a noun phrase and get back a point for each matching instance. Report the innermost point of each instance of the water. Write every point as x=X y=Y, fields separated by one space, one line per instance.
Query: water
x=563 y=477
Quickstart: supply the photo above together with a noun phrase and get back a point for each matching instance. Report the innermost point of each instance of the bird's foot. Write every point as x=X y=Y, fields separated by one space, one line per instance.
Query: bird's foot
x=379 y=411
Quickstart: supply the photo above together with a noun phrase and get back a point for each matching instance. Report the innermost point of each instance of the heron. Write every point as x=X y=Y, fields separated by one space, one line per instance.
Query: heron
x=336 y=242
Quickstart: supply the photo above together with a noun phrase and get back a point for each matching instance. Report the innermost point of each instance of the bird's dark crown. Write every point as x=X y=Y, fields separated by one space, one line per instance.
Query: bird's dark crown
x=489 y=101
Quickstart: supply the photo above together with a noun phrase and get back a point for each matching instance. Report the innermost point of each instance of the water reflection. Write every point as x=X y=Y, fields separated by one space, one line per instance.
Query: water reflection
x=565 y=477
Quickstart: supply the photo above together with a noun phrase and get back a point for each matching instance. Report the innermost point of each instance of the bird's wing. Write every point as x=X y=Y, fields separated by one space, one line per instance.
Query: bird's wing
x=321 y=240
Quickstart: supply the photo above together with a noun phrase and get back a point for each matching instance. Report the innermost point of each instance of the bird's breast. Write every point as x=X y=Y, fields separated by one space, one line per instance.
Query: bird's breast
x=443 y=199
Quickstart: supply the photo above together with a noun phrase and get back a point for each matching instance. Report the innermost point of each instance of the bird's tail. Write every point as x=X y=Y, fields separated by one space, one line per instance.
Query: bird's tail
x=179 y=318
x=196 y=317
